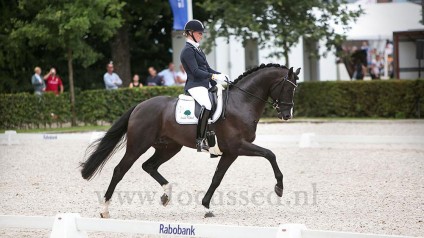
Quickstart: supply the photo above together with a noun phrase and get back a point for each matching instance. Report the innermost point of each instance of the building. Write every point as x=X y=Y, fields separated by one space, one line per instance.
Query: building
x=375 y=26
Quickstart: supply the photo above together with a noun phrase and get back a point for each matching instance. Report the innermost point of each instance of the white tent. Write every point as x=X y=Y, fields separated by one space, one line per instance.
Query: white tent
x=380 y=20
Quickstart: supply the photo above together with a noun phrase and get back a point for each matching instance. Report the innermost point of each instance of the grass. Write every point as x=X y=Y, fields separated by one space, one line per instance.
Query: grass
x=63 y=129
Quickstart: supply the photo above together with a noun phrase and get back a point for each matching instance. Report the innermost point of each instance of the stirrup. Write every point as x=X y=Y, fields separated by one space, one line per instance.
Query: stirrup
x=201 y=145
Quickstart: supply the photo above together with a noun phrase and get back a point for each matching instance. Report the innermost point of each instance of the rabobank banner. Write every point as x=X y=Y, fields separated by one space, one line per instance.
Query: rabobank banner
x=180 y=11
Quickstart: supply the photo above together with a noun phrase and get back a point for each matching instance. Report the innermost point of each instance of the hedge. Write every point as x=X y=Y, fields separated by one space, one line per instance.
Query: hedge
x=387 y=99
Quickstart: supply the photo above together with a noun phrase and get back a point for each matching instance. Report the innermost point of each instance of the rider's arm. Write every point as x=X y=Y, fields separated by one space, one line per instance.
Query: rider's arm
x=189 y=57
x=210 y=70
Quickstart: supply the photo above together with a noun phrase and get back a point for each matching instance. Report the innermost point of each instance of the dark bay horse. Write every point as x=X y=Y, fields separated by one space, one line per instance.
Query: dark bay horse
x=152 y=124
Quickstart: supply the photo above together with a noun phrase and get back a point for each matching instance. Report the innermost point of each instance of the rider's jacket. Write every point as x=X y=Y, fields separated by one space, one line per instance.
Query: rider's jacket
x=199 y=73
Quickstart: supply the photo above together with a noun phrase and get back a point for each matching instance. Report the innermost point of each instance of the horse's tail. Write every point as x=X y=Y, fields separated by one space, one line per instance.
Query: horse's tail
x=102 y=149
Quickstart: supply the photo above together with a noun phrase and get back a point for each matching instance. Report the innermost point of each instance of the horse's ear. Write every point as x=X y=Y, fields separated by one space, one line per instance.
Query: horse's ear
x=291 y=71
x=298 y=71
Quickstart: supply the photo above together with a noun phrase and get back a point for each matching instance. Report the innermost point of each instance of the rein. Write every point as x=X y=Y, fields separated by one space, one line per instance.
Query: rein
x=275 y=103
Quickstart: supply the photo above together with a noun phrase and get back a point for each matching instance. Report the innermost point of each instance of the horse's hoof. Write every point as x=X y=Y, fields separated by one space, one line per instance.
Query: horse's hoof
x=164 y=199
x=278 y=191
x=104 y=215
x=209 y=214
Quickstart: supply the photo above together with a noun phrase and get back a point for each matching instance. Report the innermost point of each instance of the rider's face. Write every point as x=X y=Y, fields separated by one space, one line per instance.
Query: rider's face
x=198 y=36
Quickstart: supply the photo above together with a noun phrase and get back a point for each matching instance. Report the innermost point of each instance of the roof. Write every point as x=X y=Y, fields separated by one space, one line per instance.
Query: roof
x=379 y=21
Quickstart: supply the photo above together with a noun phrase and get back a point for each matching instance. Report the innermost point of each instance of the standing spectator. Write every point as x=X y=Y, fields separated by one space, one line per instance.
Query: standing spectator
x=38 y=82
x=154 y=79
x=111 y=79
x=169 y=75
x=389 y=48
x=53 y=82
x=368 y=50
x=181 y=76
x=135 y=83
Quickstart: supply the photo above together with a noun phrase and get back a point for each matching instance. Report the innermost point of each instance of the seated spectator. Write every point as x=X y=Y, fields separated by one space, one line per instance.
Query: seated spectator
x=181 y=77
x=169 y=75
x=111 y=79
x=154 y=79
x=38 y=82
x=53 y=82
x=135 y=83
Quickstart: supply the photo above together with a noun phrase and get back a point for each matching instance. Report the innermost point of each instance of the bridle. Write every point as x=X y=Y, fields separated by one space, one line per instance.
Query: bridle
x=274 y=103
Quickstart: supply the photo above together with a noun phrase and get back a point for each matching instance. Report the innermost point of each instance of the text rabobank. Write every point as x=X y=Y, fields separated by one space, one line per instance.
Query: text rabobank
x=176 y=230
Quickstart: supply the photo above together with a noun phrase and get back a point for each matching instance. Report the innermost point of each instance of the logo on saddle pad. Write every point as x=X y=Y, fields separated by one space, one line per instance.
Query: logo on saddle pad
x=186 y=107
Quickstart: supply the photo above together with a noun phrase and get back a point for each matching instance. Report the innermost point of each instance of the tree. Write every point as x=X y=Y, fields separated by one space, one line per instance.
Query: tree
x=67 y=26
x=280 y=22
x=144 y=39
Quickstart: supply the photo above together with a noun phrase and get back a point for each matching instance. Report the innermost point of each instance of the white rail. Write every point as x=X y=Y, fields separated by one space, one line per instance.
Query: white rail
x=71 y=225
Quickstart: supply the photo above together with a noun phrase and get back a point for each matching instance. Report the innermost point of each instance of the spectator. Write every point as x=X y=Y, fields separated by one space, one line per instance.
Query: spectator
x=154 y=79
x=53 y=82
x=111 y=79
x=38 y=82
x=181 y=76
x=136 y=82
x=169 y=75
x=389 y=48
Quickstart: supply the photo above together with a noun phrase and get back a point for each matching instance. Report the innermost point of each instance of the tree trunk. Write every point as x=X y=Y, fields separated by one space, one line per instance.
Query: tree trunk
x=286 y=57
x=121 y=55
x=71 y=88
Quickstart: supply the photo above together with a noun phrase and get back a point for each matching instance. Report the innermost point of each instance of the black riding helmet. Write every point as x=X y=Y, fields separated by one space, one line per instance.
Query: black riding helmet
x=193 y=25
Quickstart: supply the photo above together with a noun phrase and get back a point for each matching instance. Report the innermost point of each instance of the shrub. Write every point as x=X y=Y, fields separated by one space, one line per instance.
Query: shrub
x=388 y=99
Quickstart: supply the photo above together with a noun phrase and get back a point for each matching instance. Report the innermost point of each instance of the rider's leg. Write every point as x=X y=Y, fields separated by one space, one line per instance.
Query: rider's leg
x=201 y=129
x=200 y=94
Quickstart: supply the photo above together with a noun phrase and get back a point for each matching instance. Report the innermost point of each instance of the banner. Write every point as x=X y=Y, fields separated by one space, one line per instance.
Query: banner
x=180 y=10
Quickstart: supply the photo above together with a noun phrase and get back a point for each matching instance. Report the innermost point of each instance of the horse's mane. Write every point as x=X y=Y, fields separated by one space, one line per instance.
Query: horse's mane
x=254 y=69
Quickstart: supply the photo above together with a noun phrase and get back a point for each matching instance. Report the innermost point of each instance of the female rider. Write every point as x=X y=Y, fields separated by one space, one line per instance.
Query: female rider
x=200 y=76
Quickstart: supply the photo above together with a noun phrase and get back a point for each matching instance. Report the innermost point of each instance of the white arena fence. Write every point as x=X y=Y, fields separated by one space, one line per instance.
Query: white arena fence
x=304 y=140
x=72 y=225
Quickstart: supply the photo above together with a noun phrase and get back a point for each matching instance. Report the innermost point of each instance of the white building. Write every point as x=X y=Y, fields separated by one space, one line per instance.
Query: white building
x=376 y=25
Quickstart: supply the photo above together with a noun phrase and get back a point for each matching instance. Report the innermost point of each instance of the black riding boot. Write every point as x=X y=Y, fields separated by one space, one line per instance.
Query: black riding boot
x=201 y=129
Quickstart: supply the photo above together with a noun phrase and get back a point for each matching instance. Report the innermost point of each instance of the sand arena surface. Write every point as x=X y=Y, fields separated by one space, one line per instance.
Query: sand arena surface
x=375 y=188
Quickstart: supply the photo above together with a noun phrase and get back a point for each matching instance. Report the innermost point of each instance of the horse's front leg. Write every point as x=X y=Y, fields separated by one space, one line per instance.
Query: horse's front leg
x=250 y=149
x=223 y=165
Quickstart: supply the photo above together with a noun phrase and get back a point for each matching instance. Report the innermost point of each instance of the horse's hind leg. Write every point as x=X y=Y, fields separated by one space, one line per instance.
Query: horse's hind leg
x=161 y=155
x=131 y=155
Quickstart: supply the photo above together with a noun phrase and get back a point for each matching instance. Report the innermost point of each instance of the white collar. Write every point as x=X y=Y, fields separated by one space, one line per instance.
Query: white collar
x=193 y=43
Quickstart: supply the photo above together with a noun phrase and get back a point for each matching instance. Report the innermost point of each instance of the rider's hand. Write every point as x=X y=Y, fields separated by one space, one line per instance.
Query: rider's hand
x=220 y=78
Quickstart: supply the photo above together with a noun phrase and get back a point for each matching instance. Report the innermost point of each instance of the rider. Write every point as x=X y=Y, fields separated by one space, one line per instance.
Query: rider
x=200 y=76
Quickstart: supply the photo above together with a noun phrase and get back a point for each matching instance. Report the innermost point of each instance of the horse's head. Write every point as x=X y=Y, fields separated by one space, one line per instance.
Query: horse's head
x=284 y=102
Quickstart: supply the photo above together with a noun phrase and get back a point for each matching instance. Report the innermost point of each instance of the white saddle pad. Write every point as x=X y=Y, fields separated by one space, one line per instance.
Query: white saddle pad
x=184 y=111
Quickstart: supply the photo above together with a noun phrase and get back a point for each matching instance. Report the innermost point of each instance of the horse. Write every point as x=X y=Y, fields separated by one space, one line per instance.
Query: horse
x=245 y=99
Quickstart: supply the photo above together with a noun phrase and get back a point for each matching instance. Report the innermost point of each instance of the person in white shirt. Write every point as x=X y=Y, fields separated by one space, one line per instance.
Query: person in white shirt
x=111 y=79
x=181 y=77
x=169 y=75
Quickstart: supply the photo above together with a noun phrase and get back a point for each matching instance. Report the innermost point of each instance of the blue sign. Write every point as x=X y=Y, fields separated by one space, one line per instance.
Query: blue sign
x=180 y=12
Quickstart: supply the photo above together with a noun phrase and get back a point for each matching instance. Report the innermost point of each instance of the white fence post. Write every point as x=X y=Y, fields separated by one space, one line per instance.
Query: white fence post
x=307 y=140
x=65 y=226
x=9 y=135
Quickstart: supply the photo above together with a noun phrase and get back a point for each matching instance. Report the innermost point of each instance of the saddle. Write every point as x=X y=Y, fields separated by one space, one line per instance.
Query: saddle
x=187 y=110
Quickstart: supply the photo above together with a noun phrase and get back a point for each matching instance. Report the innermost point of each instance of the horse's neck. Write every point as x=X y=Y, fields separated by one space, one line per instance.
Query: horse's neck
x=257 y=84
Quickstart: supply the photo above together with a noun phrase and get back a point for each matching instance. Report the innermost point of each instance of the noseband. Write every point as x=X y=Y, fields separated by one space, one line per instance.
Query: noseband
x=274 y=103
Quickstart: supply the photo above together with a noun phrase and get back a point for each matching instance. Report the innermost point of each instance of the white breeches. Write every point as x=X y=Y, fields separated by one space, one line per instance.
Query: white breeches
x=200 y=94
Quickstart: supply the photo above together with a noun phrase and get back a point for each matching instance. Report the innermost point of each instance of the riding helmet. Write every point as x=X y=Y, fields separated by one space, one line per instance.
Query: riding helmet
x=194 y=25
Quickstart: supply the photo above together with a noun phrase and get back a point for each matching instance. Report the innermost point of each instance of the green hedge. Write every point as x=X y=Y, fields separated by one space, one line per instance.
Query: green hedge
x=389 y=99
